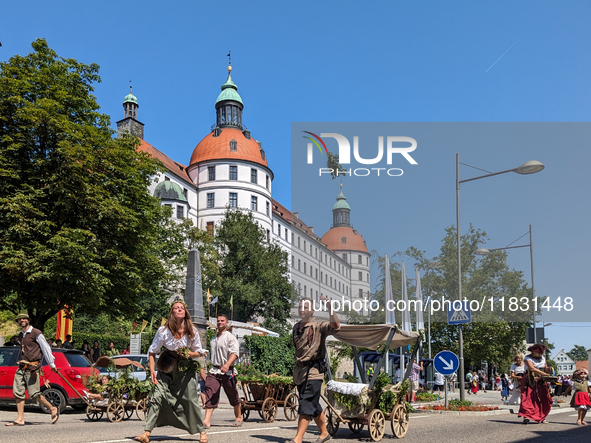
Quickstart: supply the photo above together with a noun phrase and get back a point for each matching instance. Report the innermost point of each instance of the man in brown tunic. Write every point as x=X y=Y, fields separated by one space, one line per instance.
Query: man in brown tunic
x=309 y=338
x=34 y=348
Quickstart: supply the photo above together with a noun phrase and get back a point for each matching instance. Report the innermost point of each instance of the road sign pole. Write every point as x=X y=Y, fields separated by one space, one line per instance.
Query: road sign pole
x=461 y=375
x=446 y=383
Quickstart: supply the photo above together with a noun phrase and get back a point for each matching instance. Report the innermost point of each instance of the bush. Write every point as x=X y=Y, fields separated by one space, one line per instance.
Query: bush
x=456 y=402
x=271 y=355
x=120 y=342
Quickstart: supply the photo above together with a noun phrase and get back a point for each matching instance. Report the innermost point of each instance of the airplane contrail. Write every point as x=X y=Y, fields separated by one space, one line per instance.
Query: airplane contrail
x=503 y=55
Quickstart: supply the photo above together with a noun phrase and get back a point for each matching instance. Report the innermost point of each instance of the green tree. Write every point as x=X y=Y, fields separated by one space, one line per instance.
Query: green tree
x=253 y=272
x=578 y=353
x=77 y=225
x=332 y=162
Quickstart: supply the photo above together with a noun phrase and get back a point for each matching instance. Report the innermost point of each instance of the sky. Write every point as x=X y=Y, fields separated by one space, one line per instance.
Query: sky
x=405 y=61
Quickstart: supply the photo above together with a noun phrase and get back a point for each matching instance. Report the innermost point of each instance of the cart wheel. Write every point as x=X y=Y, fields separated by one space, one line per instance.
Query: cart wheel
x=269 y=410
x=376 y=423
x=141 y=409
x=93 y=414
x=245 y=412
x=332 y=421
x=128 y=413
x=399 y=421
x=260 y=413
x=115 y=412
x=290 y=409
x=355 y=427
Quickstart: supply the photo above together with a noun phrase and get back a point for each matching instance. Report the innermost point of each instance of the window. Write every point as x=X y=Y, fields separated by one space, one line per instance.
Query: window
x=360 y=276
x=359 y=259
x=267 y=182
x=186 y=193
x=211 y=200
x=233 y=199
x=254 y=205
x=344 y=240
x=298 y=242
x=368 y=277
x=305 y=291
x=310 y=249
x=233 y=172
x=268 y=235
x=316 y=273
x=292 y=261
x=180 y=211
x=210 y=227
x=321 y=275
x=286 y=234
x=166 y=179
x=211 y=173
x=304 y=267
x=299 y=264
x=331 y=282
x=232 y=145
x=316 y=252
x=253 y=176
x=304 y=245
x=292 y=238
x=278 y=230
x=345 y=257
x=268 y=209
x=360 y=293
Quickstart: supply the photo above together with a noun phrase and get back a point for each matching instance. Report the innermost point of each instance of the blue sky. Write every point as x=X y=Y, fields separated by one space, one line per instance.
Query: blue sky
x=362 y=62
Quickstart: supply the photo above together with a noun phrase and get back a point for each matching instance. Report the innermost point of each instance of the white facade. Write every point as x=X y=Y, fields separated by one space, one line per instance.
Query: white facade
x=566 y=365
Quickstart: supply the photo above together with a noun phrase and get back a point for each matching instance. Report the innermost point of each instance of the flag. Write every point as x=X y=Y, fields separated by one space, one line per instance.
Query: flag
x=134 y=326
x=389 y=300
x=232 y=300
x=214 y=301
x=406 y=326
x=144 y=324
x=151 y=323
x=163 y=322
x=64 y=324
x=208 y=296
x=419 y=298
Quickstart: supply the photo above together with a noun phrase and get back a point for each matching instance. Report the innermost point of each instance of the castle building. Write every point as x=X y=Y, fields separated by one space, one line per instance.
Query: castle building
x=229 y=168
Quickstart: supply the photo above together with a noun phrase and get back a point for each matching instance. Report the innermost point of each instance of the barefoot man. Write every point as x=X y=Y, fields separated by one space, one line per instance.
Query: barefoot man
x=309 y=338
x=34 y=348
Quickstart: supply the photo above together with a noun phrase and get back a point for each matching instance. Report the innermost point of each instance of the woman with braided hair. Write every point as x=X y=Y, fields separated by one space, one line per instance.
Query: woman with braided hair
x=535 y=395
x=175 y=383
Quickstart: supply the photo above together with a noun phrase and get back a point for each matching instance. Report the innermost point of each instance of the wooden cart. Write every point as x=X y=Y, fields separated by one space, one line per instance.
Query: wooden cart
x=267 y=398
x=370 y=336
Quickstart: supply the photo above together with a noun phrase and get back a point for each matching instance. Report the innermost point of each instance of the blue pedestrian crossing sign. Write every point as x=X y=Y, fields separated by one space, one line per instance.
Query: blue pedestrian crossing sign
x=446 y=362
x=459 y=316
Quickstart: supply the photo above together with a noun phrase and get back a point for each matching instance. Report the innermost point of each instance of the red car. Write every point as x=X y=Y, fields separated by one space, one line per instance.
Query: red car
x=73 y=365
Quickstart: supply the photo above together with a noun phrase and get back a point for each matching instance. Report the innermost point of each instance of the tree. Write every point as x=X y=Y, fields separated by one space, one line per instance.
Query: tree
x=578 y=353
x=77 y=225
x=253 y=272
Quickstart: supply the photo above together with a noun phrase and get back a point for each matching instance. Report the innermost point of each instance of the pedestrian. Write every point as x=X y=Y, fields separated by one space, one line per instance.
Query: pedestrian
x=224 y=352
x=34 y=348
x=309 y=339
x=58 y=343
x=504 y=387
x=125 y=351
x=517 y=370
x=413 y=379
x=453 y=378
x=345 y=376
x=498 y=384
x=174 y=401
x=370 y=372
x=482 y=381
x=439 y=382
x=580 y=400
x=535 y=397
x=14 y=341
x=68 y=343
x=469 y=378
x=86 y=348
x=111 y=350
x=95 y=352
x=474 y=383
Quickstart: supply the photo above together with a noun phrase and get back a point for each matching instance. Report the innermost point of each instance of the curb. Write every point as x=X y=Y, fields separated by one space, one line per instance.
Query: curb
x=470 y=413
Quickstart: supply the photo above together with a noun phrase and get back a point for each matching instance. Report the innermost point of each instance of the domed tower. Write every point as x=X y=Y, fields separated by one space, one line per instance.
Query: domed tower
x=229 y=167
x=349 y=244
x=130 y=123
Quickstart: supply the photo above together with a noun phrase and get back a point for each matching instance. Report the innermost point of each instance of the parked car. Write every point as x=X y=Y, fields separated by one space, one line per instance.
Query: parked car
x=73 y=365
x=139 y=373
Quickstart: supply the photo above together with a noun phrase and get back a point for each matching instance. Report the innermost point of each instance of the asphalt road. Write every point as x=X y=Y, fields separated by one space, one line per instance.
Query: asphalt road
x=74 y=427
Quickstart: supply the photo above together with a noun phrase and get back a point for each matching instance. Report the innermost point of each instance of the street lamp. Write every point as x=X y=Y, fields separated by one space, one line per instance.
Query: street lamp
x=529 y=167
x=432 y=265
x=484 y=251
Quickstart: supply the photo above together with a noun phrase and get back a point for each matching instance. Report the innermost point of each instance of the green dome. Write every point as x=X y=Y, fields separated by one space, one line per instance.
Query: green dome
x=130 y=98
x=341 y=202
x=229 y=91
x=168 y=190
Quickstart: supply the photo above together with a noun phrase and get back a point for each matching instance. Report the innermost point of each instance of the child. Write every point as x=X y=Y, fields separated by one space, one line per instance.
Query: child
x=580 y=399
x=504 y=388
x=99 y=399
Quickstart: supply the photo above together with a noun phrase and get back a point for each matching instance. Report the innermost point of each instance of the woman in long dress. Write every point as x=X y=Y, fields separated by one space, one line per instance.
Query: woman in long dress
x=175 y=401
x=517 y=370
x=536 y=402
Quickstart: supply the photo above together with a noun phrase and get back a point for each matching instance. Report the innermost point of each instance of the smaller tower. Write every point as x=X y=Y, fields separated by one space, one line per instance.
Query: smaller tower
x=229 y=105
x=130 y=123
x=341 y=211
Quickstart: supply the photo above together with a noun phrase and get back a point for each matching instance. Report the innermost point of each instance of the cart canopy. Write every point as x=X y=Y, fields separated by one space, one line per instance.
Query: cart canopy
x=370 y=336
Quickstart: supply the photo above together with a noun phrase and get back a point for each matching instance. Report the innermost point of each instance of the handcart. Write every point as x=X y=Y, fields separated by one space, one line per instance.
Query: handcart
x=368 y=411
x=267 y=398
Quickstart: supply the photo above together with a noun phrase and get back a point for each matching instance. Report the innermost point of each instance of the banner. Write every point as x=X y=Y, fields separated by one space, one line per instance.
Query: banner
x=64 y=324
x=144 y=324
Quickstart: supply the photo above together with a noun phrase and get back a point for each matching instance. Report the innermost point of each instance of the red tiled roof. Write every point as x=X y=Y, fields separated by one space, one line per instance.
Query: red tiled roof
x=334 y=239
x=217 y=148
x=293 y=220
x=174 y=167
x=583 y=364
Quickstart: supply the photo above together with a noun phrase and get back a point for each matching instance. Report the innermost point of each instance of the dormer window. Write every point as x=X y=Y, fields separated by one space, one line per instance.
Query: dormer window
x=344 y=240
x=233 y=145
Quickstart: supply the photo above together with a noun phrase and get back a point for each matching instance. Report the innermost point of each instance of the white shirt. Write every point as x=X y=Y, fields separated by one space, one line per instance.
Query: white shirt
x=45 y=348
x=517 y=369
x=165 y=338
x=221 y=349
x=439 y=379
x=538 y=364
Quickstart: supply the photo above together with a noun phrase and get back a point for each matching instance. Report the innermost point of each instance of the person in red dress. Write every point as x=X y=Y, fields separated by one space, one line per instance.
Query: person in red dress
x=580 y=400
x=536 y=402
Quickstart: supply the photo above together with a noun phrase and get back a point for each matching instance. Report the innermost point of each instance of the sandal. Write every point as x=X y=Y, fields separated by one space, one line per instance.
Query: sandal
x=13 y=423
x=143 y=438
x=525 y=421
x=237 y=423
x=55 y=417
x=203 y=438
x=545 y=422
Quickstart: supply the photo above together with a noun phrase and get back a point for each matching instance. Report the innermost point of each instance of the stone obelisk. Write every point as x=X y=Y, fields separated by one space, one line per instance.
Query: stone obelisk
x=194 y=294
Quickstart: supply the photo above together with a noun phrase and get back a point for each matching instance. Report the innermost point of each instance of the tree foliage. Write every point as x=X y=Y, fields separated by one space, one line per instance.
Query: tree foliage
x=578 y=353
x=77 y=225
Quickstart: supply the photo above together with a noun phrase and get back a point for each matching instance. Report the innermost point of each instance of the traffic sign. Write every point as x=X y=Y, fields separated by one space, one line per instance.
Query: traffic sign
x=446 y=362
x=459 y=317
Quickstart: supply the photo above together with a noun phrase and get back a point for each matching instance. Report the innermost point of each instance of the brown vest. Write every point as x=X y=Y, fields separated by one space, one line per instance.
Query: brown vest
x=31 y=351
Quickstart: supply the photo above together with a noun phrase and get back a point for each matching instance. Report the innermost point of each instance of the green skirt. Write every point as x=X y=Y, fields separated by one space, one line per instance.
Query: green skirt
x=175 y=402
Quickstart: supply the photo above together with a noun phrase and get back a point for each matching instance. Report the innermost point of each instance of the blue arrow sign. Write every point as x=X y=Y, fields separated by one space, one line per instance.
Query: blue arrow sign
x=446 y=362
x=459 y=317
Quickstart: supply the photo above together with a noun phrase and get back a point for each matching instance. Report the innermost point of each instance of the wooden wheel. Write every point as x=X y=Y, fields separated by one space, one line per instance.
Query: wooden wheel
x=400 y=421
x=93 y=414
x=355 y=427
x=115 y=411
x=260 y=413
x=290 y=409
x=332 y=421
x=376 y=423
x=269 y=410
x=141 y=409
x=245 y=412
x=128 y=413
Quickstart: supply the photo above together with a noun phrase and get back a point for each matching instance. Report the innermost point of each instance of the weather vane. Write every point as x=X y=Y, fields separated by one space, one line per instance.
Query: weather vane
x=229 y=57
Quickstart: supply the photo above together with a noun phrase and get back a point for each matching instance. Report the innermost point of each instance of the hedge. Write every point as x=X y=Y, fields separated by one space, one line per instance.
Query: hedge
x=120 y=342
x=271 y=355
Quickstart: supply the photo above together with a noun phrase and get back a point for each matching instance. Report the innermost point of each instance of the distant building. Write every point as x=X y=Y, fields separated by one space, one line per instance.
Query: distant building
x=566 y=365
